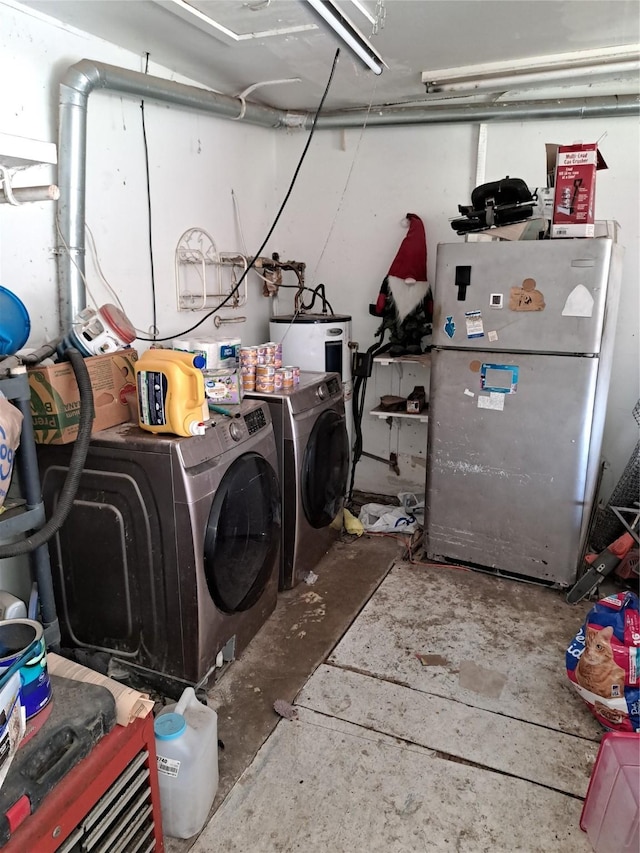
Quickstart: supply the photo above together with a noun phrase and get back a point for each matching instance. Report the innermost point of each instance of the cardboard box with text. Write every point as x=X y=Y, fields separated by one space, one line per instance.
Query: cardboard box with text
x=574 y=197
x=55 y=399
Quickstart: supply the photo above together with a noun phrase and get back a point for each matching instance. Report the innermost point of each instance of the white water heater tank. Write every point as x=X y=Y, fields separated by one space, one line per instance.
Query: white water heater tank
x=318 y=342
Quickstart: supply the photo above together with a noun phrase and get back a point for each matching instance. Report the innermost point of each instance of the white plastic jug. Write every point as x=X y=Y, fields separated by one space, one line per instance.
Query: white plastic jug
x=186 y=737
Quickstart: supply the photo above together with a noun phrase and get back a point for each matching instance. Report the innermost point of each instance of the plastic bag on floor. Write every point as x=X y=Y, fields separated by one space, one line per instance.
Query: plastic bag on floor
x=413 y=505
x=380 y=518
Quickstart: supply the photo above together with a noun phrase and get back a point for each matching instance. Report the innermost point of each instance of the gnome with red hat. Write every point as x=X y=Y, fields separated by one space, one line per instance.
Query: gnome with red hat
x=404 y=302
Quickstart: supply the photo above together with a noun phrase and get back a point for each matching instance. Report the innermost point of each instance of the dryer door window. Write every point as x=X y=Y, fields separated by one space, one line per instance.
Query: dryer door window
x=325 y=469
x=243 y=532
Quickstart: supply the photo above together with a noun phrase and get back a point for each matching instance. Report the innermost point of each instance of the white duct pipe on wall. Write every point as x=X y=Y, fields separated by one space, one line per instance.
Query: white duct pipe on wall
x=86 y=76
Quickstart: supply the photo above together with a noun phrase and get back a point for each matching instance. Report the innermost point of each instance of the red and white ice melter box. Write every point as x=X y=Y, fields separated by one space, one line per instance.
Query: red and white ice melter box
x=575 y=190
x=611 y=811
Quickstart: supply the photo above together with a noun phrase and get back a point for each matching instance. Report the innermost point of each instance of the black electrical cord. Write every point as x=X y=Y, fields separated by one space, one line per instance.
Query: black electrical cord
x=76 y=465
x=146 y=165
x=251 y=264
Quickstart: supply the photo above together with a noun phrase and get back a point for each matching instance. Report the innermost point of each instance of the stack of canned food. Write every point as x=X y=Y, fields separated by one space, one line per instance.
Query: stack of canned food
x=261 y=369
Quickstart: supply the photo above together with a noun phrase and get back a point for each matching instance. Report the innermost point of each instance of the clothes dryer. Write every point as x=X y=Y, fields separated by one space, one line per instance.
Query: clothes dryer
x=313 y=454
x=171 y=549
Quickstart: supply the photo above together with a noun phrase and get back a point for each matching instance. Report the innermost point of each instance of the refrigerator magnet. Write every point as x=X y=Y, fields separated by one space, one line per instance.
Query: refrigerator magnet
x=527 y=297
x=475 y=327
x=499 y=378
x=450 y=328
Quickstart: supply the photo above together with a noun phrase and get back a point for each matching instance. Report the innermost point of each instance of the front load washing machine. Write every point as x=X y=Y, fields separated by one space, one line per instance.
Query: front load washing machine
x=313 y=455
x=171 y=549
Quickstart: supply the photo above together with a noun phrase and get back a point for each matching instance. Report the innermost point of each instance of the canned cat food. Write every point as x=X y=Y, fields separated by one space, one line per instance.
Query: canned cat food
x=296 y=372
x=249 y=355
x=265 y=370
x=287 y=377
x=222 y=386
x=265 y=385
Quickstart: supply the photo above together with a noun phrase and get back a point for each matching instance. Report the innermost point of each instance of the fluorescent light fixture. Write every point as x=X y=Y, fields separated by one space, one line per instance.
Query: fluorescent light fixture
x=209 y=25
x=349 y=34
x=582 y=66
x=363 y=9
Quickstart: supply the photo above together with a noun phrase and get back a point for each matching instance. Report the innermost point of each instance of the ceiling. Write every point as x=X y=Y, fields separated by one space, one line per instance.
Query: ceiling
x=284 y=39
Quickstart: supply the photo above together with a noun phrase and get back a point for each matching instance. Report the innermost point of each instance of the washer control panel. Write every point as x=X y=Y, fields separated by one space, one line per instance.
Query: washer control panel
x=333 y=384
x=255 y=421
x=235 y=431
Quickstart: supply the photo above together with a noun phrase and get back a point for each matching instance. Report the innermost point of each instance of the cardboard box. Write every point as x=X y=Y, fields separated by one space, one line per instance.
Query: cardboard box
x=575 y=189
x=222 y=387
x=529 y=229
x=544 y=204
x=607 y=228
x=55 y=399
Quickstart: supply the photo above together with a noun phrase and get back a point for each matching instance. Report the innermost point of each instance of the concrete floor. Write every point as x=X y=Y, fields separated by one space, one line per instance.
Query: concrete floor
x=303 y=630
x=442 y=720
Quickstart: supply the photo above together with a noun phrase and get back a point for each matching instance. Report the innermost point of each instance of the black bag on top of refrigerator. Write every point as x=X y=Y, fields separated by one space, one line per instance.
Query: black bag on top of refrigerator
x=495 y=203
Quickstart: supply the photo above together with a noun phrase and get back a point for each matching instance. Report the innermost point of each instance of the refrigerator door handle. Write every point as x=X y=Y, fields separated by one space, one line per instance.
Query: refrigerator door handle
x=463 y=281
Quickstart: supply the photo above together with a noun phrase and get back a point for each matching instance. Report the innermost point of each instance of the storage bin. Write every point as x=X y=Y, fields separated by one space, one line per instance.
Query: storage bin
x=611 y=811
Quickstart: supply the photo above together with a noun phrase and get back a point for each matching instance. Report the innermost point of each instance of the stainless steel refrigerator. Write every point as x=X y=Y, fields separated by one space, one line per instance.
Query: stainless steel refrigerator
x=523 y=335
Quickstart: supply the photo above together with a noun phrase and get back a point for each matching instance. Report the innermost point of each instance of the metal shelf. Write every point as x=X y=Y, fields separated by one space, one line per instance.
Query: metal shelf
x=423 y=360
x=26 y=514
x=18 y=518
x=423 y=416
x=17 y=152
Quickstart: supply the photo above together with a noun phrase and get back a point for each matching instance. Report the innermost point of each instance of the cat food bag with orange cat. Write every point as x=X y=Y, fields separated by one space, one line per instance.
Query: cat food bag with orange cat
x=603 y=662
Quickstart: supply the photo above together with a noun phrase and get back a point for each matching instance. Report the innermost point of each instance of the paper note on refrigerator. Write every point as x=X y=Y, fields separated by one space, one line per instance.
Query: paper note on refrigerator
x=579 y=303
x=493 y=401
x=475 y=327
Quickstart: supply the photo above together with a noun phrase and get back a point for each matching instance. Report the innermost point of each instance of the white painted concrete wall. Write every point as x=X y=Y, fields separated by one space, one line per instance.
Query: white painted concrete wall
x=343 y=218
x=195 y=163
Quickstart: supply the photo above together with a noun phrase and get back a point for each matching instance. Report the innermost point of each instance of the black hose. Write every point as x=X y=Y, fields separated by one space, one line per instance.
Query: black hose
x=318 y=291
x=46 y=351
x=359 y=393
x=76 y=465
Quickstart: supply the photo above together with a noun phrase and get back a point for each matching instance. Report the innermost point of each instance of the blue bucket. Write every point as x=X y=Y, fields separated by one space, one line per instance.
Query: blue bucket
x=14 y=323
x=24 y=638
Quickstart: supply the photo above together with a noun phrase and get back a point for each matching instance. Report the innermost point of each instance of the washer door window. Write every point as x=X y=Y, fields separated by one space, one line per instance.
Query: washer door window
x=325 y=469
x=243 y=533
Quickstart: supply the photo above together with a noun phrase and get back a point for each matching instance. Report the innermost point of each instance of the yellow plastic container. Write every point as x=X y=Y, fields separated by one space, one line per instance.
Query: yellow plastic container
x=171 y=394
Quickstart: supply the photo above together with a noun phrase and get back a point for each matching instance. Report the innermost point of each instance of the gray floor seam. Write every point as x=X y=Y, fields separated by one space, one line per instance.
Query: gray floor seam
x=443 y=756
x=399 y=683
